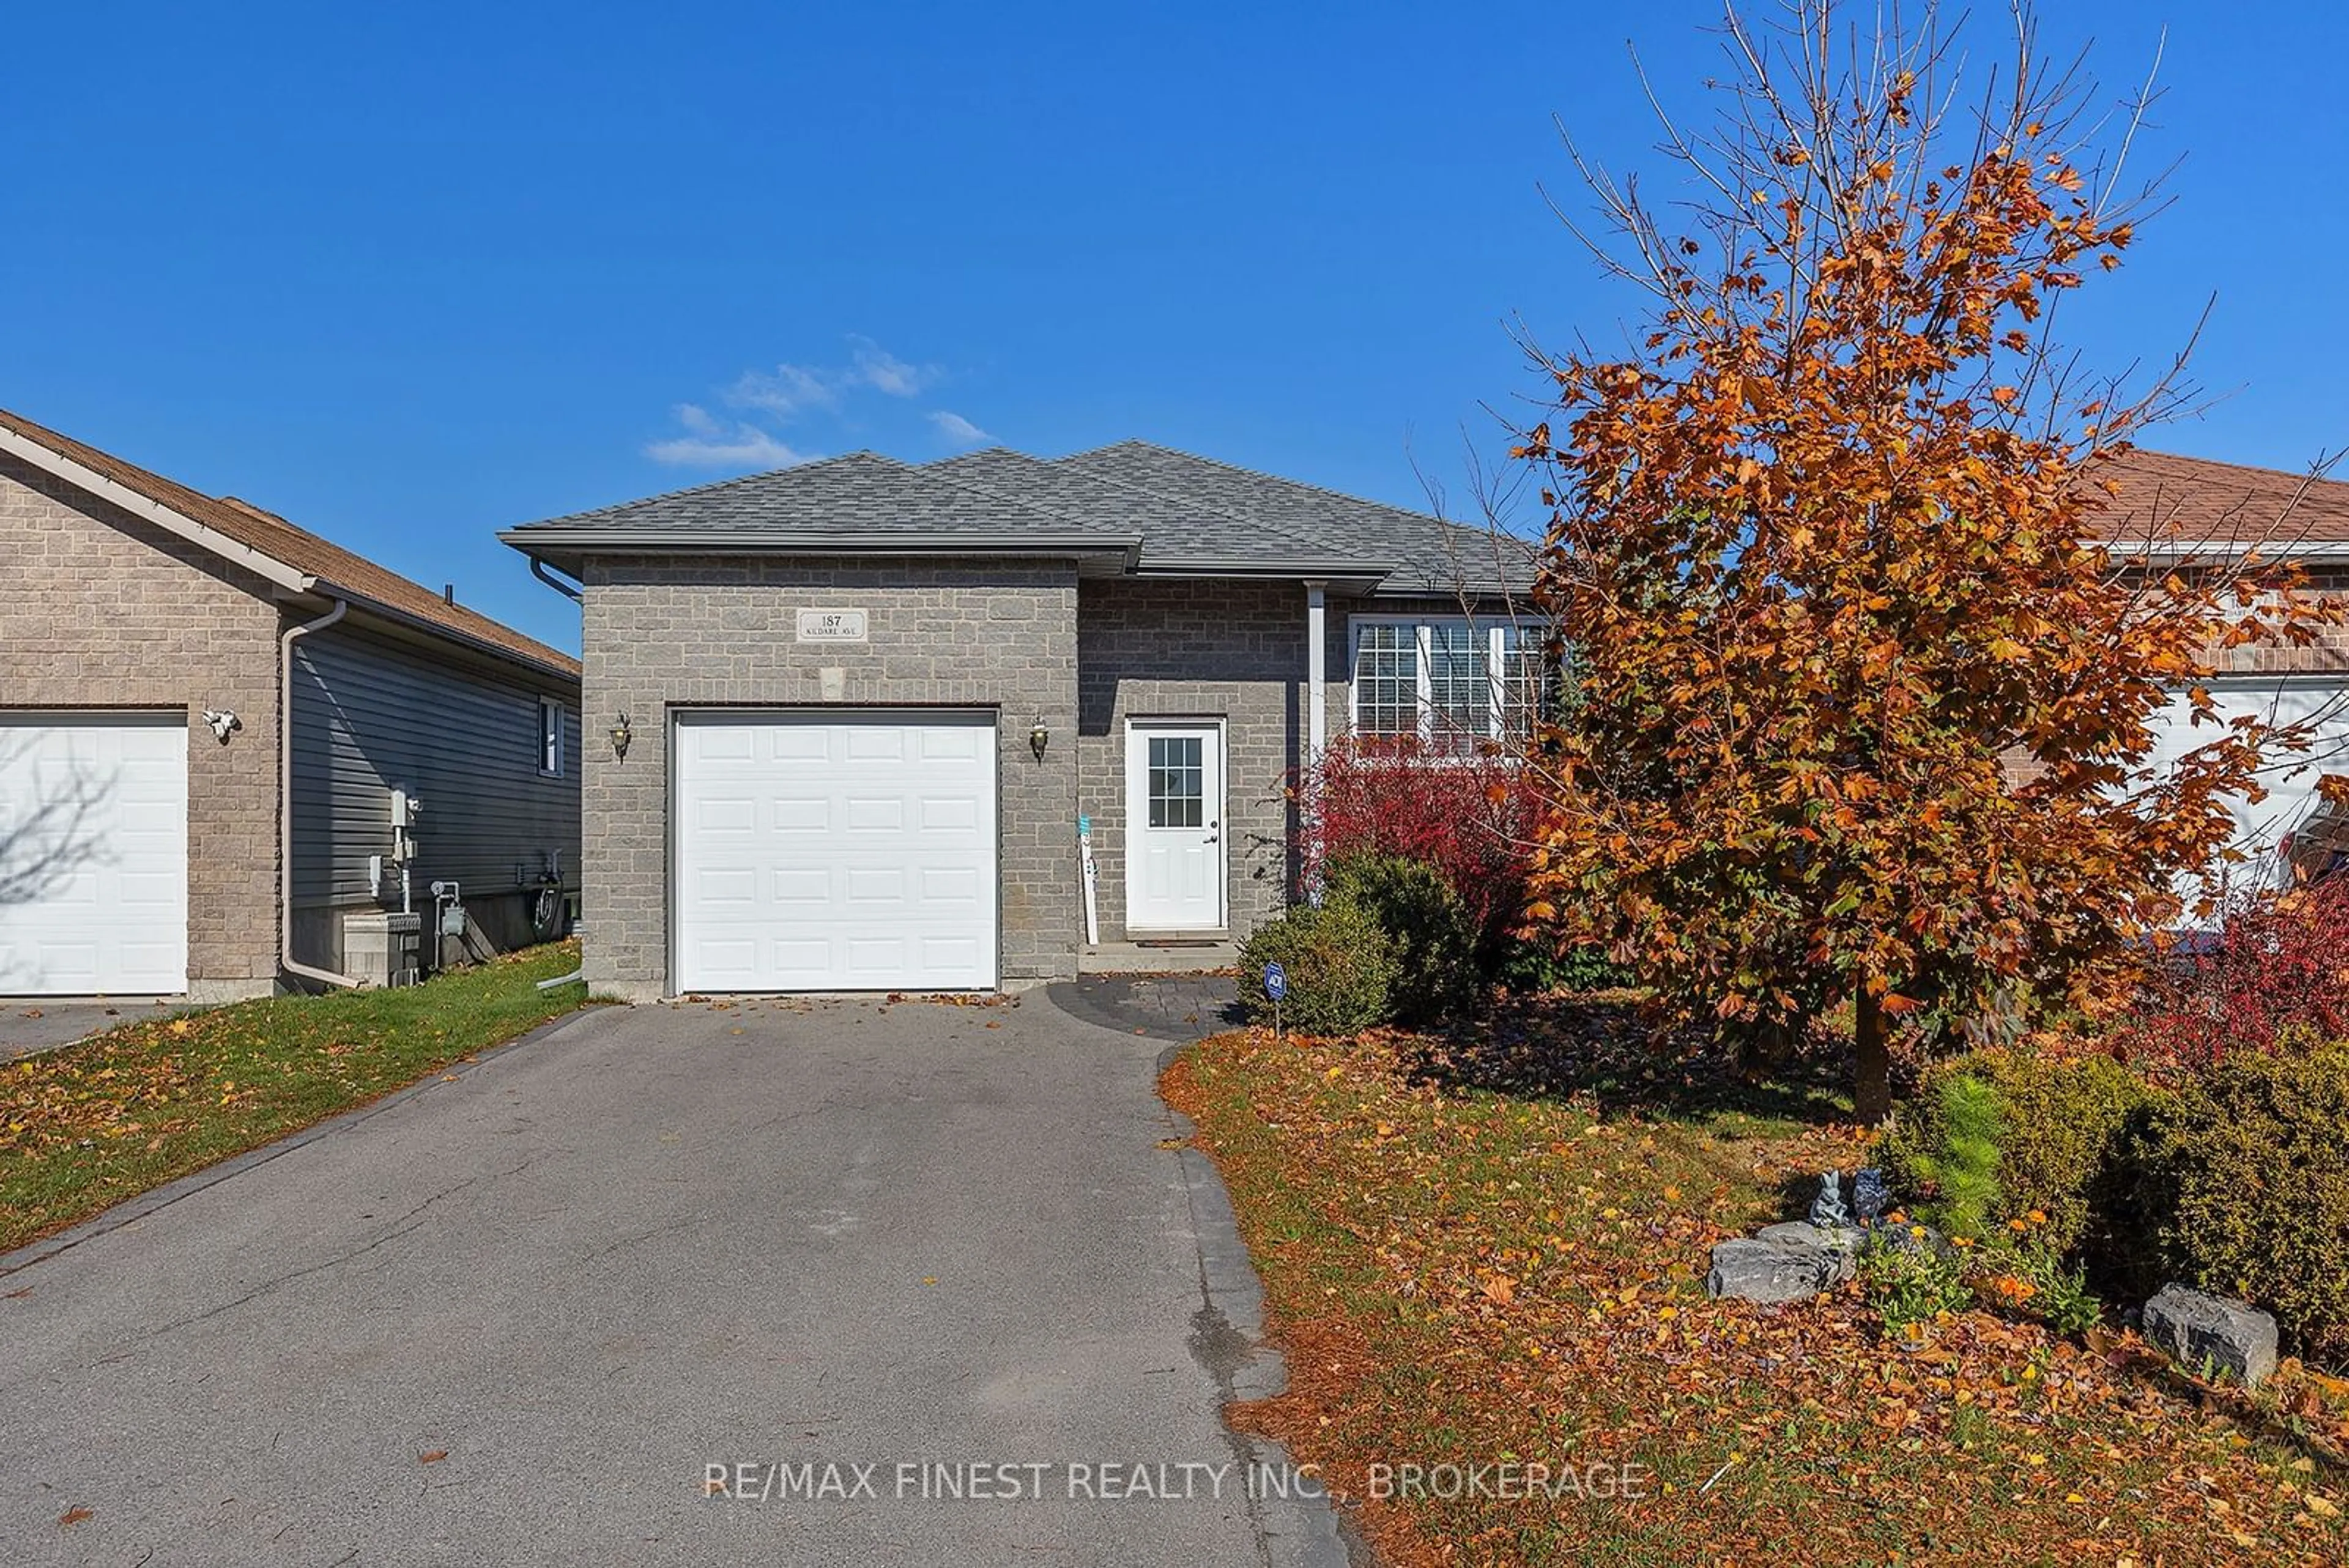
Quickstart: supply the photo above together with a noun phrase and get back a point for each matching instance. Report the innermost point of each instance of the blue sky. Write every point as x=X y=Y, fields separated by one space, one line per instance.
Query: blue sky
x=409 y=275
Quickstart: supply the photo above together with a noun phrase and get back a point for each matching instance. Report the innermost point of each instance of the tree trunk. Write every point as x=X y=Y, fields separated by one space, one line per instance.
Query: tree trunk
x=1871 y=1091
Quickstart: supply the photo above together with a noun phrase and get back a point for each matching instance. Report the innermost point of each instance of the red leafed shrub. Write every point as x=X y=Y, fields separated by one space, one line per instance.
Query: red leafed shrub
x=1468 y=814
x=2275 y=973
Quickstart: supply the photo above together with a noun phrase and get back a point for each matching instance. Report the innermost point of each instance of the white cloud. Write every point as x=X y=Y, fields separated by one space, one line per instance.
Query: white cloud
x=712 y=442
x=793 y=395
x=871 y=365
x=785 y=390
x=956 y=429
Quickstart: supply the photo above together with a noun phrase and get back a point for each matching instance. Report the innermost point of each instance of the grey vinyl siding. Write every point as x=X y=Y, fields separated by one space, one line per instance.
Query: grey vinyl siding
x=372 y=715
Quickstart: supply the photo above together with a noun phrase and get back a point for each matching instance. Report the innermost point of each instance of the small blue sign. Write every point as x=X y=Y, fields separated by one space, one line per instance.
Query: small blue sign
x=1276 y=981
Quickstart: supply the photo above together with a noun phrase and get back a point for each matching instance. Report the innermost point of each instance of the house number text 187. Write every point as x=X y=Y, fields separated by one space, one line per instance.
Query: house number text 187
x=832 y=626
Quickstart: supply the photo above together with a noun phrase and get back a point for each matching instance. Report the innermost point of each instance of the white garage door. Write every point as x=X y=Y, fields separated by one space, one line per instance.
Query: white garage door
x=2289 y=777
x=835 y=852
x=93 y=854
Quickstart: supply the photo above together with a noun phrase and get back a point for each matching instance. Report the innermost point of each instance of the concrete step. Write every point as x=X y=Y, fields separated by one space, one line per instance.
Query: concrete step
x=1157 y=957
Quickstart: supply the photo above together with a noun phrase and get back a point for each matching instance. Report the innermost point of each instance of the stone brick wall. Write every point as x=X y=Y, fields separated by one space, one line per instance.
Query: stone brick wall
x=667 y=632
x=1233 y=650
x=2329 y=654
x=99 y=608
x=1030 y=640
x=1193 y=650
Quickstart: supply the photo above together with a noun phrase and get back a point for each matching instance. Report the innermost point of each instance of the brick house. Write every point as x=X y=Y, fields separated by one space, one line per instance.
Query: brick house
x=164 y=828
x=2171 y=512
x=846 y=718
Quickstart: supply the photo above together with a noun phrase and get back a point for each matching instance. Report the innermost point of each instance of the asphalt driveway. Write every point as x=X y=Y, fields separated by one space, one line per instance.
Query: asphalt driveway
x=28 y=1025
x=620 y=1293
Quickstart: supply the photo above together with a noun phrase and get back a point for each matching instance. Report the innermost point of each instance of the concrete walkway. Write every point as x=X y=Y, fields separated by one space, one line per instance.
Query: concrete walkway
x=531 y=1314
x=1179 y=1007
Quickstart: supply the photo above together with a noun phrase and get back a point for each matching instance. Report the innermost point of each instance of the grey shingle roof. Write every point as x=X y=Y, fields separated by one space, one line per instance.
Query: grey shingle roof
x=860 y=496
x=1427 y=551
x=1176 y=530
x=1157 y=510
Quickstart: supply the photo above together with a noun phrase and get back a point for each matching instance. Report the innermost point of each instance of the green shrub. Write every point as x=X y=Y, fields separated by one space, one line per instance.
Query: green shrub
x=1913 y=1284
x=1434 y=944
x=1340 y=965
x=1539 y=963
x=2063 y=1147
x=1948 y=1168
x=2247 y=1175
x=2064 y=1300
x=2071 y=1126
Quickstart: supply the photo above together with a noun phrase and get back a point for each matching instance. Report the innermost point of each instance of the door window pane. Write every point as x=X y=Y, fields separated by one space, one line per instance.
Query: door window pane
x=1178 y=780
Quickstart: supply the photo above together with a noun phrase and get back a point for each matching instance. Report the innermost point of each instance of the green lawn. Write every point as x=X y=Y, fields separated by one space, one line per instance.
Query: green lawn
x=83 y=1127
x=1493 y=1252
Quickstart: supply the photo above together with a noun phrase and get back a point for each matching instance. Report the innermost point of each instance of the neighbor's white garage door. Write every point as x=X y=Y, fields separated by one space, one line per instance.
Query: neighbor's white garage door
x=93 y=854
x=835 y=852
x=2290 y=777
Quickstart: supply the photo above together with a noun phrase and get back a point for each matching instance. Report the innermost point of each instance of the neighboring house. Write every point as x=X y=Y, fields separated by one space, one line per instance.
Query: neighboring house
x=845 y=717
x=152 y=640
x=2172 y=512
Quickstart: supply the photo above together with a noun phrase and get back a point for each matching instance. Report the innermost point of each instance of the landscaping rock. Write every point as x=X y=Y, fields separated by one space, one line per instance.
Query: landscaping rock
x=1758 y=1271
x=2200 y=1331
x=1908 y=1238
x=1802 y=1233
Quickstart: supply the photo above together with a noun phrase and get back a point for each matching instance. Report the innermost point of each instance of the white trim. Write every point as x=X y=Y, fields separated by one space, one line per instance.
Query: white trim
x=1497 y=676
x=1317 y=668
x=1424 y=635
x=155 y=511
x=2219 y=549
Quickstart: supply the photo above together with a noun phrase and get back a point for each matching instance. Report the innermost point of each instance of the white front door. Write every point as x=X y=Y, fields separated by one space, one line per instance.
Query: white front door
x=832 y=851
x=93 y=853
x=1174 y=827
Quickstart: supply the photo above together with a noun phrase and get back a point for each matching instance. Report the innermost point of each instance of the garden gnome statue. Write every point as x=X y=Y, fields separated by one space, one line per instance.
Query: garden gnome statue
x=1868 y=1194
x=1827 y=1209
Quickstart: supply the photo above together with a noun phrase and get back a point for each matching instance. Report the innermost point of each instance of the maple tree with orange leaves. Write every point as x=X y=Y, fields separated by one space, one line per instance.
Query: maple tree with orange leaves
x=1862 y=703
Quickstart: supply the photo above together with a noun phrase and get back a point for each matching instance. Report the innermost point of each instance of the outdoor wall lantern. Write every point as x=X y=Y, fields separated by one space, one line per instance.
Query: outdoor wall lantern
x=1038 y=739
x=224 y=723
x=620 y=737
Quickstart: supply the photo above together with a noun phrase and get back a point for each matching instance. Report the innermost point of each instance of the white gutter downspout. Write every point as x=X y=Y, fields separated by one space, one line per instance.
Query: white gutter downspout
x=285 y=959
x=1317 y=657
x=538 y=569
x=1317 y=696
